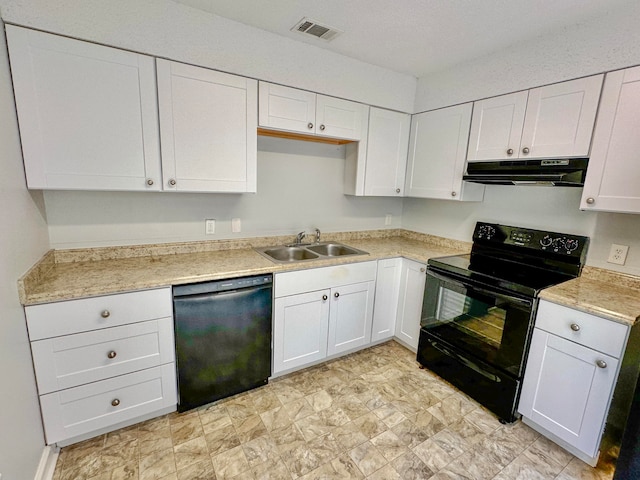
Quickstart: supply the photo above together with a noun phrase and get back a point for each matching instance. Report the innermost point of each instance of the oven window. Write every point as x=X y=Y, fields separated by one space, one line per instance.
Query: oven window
x=491 y=327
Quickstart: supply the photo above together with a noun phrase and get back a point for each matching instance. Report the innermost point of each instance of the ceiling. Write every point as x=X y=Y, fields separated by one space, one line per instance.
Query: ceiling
x=415 y=37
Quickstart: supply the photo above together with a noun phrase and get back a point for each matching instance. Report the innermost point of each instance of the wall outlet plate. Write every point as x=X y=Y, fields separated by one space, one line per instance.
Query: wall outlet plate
x=236 y=225
x=209 y=226
x=618 y=254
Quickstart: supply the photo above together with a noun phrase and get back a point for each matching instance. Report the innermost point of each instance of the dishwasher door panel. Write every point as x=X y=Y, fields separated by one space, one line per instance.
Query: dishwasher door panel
x=223 y=344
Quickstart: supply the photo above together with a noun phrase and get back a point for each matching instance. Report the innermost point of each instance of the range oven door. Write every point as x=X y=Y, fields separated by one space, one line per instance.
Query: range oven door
x=476 y=339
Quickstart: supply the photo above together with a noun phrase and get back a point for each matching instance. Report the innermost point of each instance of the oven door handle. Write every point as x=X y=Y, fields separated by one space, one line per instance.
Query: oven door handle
x=464 y=361
x=500 y=295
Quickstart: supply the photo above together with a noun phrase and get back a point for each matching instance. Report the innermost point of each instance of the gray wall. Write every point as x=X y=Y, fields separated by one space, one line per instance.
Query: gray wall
x=23 y=240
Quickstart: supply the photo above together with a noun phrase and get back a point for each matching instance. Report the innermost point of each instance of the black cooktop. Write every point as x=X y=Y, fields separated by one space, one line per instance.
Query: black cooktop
x=516 y=260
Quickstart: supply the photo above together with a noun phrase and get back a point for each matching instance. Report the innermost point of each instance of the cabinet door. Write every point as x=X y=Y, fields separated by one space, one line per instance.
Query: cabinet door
x=613 y=175
x=341 y=118
x=87 y=113
x=208 y=129
x=385 y=306
x=496 y=127
x=412 y=282
x=437 y=150
x=350 y=317
x=560 y=118
x=285 y=108
x=387 y=146
x=300 y=329
x=566 y=392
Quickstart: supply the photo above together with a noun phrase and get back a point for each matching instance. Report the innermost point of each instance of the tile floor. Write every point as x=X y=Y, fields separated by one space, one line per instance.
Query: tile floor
x=373 y=414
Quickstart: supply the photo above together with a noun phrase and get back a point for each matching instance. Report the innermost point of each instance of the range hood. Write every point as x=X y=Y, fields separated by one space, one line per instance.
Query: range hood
x=568 y=172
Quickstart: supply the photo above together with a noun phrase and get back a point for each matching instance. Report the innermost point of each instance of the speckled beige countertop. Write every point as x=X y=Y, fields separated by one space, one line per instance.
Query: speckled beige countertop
x=605 y=293
x=68 y=274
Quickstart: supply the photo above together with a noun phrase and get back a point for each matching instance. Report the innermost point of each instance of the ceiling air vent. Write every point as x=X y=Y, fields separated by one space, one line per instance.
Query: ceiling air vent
x=311 y=27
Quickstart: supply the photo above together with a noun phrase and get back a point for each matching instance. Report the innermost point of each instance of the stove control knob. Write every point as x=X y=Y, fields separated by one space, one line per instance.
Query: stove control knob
x=571 y=245
x=546 y=241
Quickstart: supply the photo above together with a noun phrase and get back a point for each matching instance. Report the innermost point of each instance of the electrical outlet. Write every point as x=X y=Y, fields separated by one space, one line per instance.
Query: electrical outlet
x=236 y=225
x=387 y=219
x=210 y=226
x=618 y=254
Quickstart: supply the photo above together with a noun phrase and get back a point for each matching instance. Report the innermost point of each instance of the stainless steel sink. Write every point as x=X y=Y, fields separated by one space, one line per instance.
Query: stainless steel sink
x=290 y=254
x=333 y=250
x=301 y=253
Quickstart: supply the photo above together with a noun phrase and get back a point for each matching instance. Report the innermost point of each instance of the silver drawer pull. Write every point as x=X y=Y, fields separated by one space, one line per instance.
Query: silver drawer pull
x=575 y=327
x=111 y=354
x=324 y=297
x=601 y=364
x=336 y=294
x=115 y=402
x=105 y=314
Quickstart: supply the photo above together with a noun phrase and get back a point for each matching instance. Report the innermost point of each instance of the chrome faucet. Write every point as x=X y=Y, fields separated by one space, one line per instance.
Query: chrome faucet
x=300 y=237
x=317 y=230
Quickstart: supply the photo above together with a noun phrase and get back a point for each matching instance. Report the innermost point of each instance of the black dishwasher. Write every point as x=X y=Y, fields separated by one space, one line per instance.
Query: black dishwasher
x=223 y=338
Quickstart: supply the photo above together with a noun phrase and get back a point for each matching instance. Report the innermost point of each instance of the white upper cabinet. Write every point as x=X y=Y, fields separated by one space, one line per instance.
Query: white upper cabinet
x=387 y=146
x=437 y=150
x=285 y=108
x=87 y=113
x=208 y=123
x=613 y=176
x=552 y=121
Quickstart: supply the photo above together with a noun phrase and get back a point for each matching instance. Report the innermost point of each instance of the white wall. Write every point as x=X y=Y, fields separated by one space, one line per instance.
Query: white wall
x=607 y=43
x=300 y=186
x=167 y=29
x=23 y=239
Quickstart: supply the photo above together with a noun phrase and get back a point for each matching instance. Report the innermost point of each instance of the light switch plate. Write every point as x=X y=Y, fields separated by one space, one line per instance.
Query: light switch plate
x=618 y=254
x=387 y=219
x=236 y=225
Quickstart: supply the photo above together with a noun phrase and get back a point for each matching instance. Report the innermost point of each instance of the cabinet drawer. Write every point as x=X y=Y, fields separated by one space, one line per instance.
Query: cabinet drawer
x=291 y=283
x=75 y=316
x=591 y=331
x=76 y=411
x=72 y=360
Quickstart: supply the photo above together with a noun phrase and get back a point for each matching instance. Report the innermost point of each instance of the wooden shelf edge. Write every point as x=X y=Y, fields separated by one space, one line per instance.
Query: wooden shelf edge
x=301 y=136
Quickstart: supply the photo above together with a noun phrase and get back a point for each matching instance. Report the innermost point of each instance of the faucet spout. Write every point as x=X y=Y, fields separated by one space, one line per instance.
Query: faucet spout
x=300 y=237
x=317 y=230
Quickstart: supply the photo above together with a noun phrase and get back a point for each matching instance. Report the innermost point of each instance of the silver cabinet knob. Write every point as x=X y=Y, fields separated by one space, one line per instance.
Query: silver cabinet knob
x=111 y=354
x=422 y=269
x=397 y=190
x=115 y=402
x=324 y=297
x=322 y=127
x=591 y=200
x=575 y=327
x=453 y=194
x=172 y=182
x=105 y=314
x=510 y=151
x=336 y=294
x=309 y=125
x=525 y=150
x=601 y=364
x=149 y=181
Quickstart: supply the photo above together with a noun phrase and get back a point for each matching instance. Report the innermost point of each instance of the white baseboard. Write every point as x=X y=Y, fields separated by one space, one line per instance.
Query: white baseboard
x=47 y=464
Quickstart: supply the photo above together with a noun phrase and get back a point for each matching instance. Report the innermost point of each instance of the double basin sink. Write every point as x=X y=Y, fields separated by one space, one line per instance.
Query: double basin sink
x=304 y=252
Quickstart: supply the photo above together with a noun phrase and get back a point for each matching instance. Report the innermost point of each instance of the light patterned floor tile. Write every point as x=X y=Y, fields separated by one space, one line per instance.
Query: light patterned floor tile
x=371 y=414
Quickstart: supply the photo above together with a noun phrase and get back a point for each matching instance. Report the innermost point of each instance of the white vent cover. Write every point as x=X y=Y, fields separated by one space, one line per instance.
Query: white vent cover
x=311 y=27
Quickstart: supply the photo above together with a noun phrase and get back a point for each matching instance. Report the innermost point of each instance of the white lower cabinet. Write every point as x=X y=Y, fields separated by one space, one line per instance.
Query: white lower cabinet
x=321 y=312
x=571 y=371
x=385 y=308
x=412 y=283
x=103 y=362
x=300 y=329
